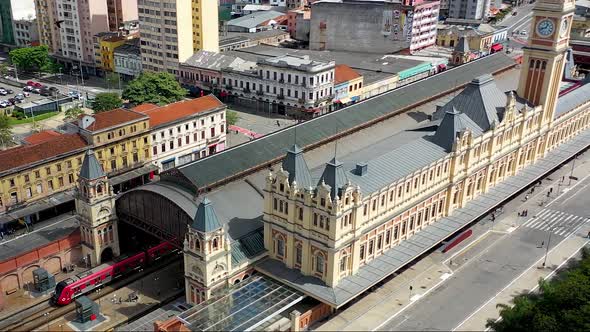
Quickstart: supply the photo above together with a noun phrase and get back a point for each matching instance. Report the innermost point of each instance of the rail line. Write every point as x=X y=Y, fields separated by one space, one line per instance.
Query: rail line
x=42 y=313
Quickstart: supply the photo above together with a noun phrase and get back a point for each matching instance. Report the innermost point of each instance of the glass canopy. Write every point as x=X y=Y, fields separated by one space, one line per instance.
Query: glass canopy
x=243 y=308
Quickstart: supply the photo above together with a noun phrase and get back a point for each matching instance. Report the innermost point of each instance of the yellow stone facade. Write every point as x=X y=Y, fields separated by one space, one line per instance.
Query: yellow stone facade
x=107 y=51
x=330 y=239
x=205 y=26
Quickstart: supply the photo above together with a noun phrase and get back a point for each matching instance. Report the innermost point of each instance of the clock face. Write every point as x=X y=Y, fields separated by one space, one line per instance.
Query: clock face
x=564 y=26
x=545 y=28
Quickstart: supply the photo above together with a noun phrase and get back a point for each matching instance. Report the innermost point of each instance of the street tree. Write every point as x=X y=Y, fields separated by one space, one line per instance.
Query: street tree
x=5 y=132
x=3 y=69
x=106 y=101
x=73 y=113
x=155 y=88
x=35 y=58
x=232 y=118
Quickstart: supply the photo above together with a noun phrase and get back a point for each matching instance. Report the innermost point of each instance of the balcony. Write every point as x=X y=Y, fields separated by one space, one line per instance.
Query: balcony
x=260 y=92
x=281 y=96
x=229 y=87
x=247 y=90
x=282 y=80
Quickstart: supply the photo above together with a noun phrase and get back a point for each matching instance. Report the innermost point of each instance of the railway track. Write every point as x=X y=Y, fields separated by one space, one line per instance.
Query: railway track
x=39 y=314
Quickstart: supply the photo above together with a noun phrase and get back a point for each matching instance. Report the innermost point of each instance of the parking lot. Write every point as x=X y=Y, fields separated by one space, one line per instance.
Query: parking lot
x=16 y=90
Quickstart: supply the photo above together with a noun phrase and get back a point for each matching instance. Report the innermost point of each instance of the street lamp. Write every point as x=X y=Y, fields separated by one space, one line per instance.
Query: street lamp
x=572 y=170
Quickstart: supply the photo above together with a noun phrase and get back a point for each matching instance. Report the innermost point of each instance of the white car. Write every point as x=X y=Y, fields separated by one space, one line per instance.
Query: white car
x=523 y=32
x=4 y=103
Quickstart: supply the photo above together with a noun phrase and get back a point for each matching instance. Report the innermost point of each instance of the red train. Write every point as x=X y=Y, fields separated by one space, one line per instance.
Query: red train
x=67 y=290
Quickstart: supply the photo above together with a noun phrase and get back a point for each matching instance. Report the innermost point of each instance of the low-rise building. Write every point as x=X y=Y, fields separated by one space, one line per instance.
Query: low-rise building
x=203 y=69
x=299 y=19
x=348 y=86
x=257 y=21
x=107 y=51
x=294 y=84
x=480 y=38
x=234 y=41
x=32 y=172
x=121 y=141
x=186 y=130
x=128 y=60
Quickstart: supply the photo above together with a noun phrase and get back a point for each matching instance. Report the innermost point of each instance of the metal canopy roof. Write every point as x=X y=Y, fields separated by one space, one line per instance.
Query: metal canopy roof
x=230 y=163
x=243 y=308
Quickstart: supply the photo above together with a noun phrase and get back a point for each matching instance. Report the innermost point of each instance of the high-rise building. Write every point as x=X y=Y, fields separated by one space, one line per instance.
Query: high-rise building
x=469 y=9
x=68 y=27
x=16 y=10
x=173 y=30
x=121 y=11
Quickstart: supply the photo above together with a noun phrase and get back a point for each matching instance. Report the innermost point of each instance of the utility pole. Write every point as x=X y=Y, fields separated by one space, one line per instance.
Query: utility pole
x=572 y=171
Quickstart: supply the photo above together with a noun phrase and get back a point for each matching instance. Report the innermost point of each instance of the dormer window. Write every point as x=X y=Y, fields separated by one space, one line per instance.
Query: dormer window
x=197 y=244
x=323 y=202
x=282 y=187
x=215 y=244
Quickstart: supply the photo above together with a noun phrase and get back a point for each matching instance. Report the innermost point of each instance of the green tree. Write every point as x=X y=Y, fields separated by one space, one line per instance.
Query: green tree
x=73 y=113
x=232 y=118
x=3 y=69
x=5 y=132
x=106 y=101
x=156 y=88
x=562 y=304
x=31 y=58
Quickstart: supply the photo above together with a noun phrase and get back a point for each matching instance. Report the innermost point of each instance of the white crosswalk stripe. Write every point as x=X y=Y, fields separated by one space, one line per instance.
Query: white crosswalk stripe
x=558 y=222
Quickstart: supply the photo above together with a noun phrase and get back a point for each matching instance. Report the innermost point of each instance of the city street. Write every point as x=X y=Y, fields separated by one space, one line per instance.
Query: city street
x=519 y=22
x=460 y=289
x=481 y=276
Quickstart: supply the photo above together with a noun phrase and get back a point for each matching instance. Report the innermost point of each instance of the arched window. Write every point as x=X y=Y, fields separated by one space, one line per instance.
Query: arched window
x=280 y=249
x=99 y=189
x=319 y=262
x=215 y=244
x=197 y=244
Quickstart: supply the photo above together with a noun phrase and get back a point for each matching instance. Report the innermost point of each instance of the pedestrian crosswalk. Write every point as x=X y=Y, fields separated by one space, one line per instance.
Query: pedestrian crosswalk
x=557 y=222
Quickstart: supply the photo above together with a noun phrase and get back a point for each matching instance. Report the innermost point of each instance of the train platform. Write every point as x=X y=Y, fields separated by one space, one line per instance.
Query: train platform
x=151 y=291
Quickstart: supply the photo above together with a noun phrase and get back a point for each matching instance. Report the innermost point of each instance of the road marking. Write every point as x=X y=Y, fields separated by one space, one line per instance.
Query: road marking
x=549 y=275
x=446 y=276
x=467 y=246
x=535 y=264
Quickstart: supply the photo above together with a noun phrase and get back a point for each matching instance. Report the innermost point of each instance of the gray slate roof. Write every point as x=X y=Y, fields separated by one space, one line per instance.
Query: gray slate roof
x=481 y=100
x=226 y=164
x=247 y=247
x=407 y=251
x=295 y=164
x=451 y=125
x=572 y=100
x=91 y=168
x=255 y=19
x=205 y=219
x=211 y=60
x=334 y=176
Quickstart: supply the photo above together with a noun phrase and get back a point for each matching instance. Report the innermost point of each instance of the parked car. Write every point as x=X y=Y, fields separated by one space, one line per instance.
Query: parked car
x=38 y=85
x=19 y=96
x=28 y=88
x=54 y=90
x=36 y=90
x=75 y=94
x=10 y=91
x=30 y=83
x=3 y=92
x=14 y=101
x=4 y=103
x=523 y=32
x=45 y=92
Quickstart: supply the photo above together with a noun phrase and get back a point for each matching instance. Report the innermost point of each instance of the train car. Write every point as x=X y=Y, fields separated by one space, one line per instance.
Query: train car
x=67 y=290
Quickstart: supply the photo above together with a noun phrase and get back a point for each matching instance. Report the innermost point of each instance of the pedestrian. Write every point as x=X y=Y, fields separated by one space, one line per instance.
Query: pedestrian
x=548 y=193
x=520 y=215
x=551 y=190
x=278 y=123
x=589 y=234
x=493 y=217
x=526 y=198
x=532 y=190
x=526 y=213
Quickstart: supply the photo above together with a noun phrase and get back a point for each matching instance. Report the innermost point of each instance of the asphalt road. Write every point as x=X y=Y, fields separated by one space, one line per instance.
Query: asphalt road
x=17 y=90
x=520 y=21
x=485 y=273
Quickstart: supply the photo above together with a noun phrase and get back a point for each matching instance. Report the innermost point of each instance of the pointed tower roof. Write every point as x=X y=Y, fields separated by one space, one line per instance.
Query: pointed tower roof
x=206 y=220
x=91 y=168
x=462 y=46
x=295 y=164
x=334 y=176
x=481 y=101
x=451 y=125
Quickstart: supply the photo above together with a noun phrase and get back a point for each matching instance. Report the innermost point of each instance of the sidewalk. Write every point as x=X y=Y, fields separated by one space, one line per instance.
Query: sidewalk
x=526 y=282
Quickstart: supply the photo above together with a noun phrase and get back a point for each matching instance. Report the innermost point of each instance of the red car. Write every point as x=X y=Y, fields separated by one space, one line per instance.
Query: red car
x=30 y=83
x=35 y=84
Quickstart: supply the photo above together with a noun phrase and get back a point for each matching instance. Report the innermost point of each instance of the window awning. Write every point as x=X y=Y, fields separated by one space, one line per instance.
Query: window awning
x=133 y=174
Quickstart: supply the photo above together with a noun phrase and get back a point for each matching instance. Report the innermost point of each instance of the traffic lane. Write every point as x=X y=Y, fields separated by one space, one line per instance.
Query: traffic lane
x=447 y=306
x=568 y=202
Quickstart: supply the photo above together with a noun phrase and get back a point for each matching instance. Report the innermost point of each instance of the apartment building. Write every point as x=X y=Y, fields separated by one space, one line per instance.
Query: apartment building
x=121 y=11
x=293 y=84
x=186 y=130
x=128 y=60
x=17 y=22
x=469 y=9
x=173 y=30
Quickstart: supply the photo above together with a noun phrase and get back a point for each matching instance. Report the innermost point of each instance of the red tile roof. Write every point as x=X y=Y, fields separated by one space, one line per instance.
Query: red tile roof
x=113 y=118
x=40 y=137
x=145 y=107
x=344 y=73
x=28 y=154
x=178 y=110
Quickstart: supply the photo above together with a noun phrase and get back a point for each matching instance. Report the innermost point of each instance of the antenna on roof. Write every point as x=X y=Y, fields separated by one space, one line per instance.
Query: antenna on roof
x=336 y=144
x=295 y=135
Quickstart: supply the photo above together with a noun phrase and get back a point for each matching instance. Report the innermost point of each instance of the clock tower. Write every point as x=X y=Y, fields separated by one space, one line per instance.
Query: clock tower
x=544 y=55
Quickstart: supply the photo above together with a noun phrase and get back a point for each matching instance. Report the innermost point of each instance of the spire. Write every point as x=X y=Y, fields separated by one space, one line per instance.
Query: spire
x=334 y=176
x=294 y=163
x=206 y=220
x=462 y=46
x=91 y=168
